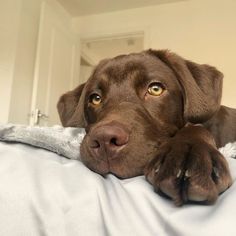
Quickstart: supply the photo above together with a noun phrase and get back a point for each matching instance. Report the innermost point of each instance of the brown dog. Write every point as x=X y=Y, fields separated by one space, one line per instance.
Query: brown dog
x=140 y=113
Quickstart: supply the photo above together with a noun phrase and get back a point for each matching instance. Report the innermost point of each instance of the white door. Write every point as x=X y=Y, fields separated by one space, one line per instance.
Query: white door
x=57 y=65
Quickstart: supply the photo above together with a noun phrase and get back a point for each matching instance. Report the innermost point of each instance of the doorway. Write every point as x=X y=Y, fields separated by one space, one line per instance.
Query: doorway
x=94 y=50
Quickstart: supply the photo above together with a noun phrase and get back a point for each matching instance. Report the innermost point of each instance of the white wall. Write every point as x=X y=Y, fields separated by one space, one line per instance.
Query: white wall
x=9 y=23
x=24 y=62
x=85 y=72
x=19 y=24
x=201 y=30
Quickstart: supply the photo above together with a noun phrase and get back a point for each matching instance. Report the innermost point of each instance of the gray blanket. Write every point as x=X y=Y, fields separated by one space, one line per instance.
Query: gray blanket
x=63 y=141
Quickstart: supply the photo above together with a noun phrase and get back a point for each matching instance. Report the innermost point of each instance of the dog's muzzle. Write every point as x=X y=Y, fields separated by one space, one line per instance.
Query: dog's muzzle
x=108 y=140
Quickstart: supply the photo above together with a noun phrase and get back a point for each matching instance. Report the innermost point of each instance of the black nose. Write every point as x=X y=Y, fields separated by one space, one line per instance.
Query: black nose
x=108 y=140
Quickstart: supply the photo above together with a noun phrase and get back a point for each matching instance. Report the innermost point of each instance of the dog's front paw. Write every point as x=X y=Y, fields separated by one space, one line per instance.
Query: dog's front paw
x=188 y=169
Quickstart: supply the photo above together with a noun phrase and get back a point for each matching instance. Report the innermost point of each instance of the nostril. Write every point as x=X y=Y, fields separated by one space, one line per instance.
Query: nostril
x=113 y=141
x=95 y=144
x=119 y=141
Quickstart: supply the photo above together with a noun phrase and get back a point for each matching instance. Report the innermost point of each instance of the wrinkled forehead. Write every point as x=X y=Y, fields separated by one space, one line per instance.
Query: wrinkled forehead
x=135 y=69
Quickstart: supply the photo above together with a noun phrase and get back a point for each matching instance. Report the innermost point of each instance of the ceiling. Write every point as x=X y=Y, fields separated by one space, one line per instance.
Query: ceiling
x=89 y=7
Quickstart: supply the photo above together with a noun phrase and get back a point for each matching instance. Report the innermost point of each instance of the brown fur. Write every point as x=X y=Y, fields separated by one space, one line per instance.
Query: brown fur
x=132 y=132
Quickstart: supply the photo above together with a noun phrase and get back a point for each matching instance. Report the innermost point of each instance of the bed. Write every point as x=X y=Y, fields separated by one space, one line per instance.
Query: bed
x=44 y=193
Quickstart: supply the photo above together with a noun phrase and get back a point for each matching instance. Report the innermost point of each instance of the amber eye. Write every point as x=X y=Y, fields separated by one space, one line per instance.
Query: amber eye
x=95 y=99
x=155 y=89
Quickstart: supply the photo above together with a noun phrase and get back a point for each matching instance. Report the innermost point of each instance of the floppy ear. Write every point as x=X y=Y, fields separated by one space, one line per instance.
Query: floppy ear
x=71 y=107
x=202 y=85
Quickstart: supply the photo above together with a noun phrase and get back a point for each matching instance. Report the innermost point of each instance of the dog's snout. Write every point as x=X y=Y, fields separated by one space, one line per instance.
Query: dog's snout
x=108 y=140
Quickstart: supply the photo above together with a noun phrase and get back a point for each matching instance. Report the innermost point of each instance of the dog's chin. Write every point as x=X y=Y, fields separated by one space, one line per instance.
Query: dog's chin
x=117 y=167
x=122 y=169
x=122 y=166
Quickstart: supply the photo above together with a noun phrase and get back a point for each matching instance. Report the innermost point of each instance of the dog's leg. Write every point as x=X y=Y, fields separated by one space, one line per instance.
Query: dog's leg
x=189 y=167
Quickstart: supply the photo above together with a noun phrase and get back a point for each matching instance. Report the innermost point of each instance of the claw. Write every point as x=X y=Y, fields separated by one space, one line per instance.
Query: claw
x=216 y=172
x=187 y=175
x=179 y=173
x=157 y=169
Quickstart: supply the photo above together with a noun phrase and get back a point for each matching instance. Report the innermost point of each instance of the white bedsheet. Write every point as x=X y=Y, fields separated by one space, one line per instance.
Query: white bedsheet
x=42 y=193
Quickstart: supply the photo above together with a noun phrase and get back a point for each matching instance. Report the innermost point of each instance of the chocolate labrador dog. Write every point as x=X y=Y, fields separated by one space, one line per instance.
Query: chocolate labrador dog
x=157 y=114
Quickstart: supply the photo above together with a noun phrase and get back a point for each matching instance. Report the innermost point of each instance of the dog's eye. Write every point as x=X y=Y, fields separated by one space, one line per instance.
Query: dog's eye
x=155 y=89
x=95 y=99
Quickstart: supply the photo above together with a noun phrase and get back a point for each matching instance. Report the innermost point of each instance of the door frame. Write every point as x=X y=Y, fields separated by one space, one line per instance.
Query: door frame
x=144 y=31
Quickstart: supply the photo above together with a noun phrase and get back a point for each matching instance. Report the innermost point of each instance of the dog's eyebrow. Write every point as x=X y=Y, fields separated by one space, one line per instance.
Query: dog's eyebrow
x=140 y=78
x=101 y=83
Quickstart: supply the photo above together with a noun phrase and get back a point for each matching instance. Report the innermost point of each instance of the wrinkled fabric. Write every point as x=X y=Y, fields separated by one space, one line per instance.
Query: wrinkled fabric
x=42 y=193
x=63 y=141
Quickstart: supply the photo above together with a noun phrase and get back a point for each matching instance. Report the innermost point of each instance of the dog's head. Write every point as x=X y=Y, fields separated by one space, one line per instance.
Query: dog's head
x=133 y=103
